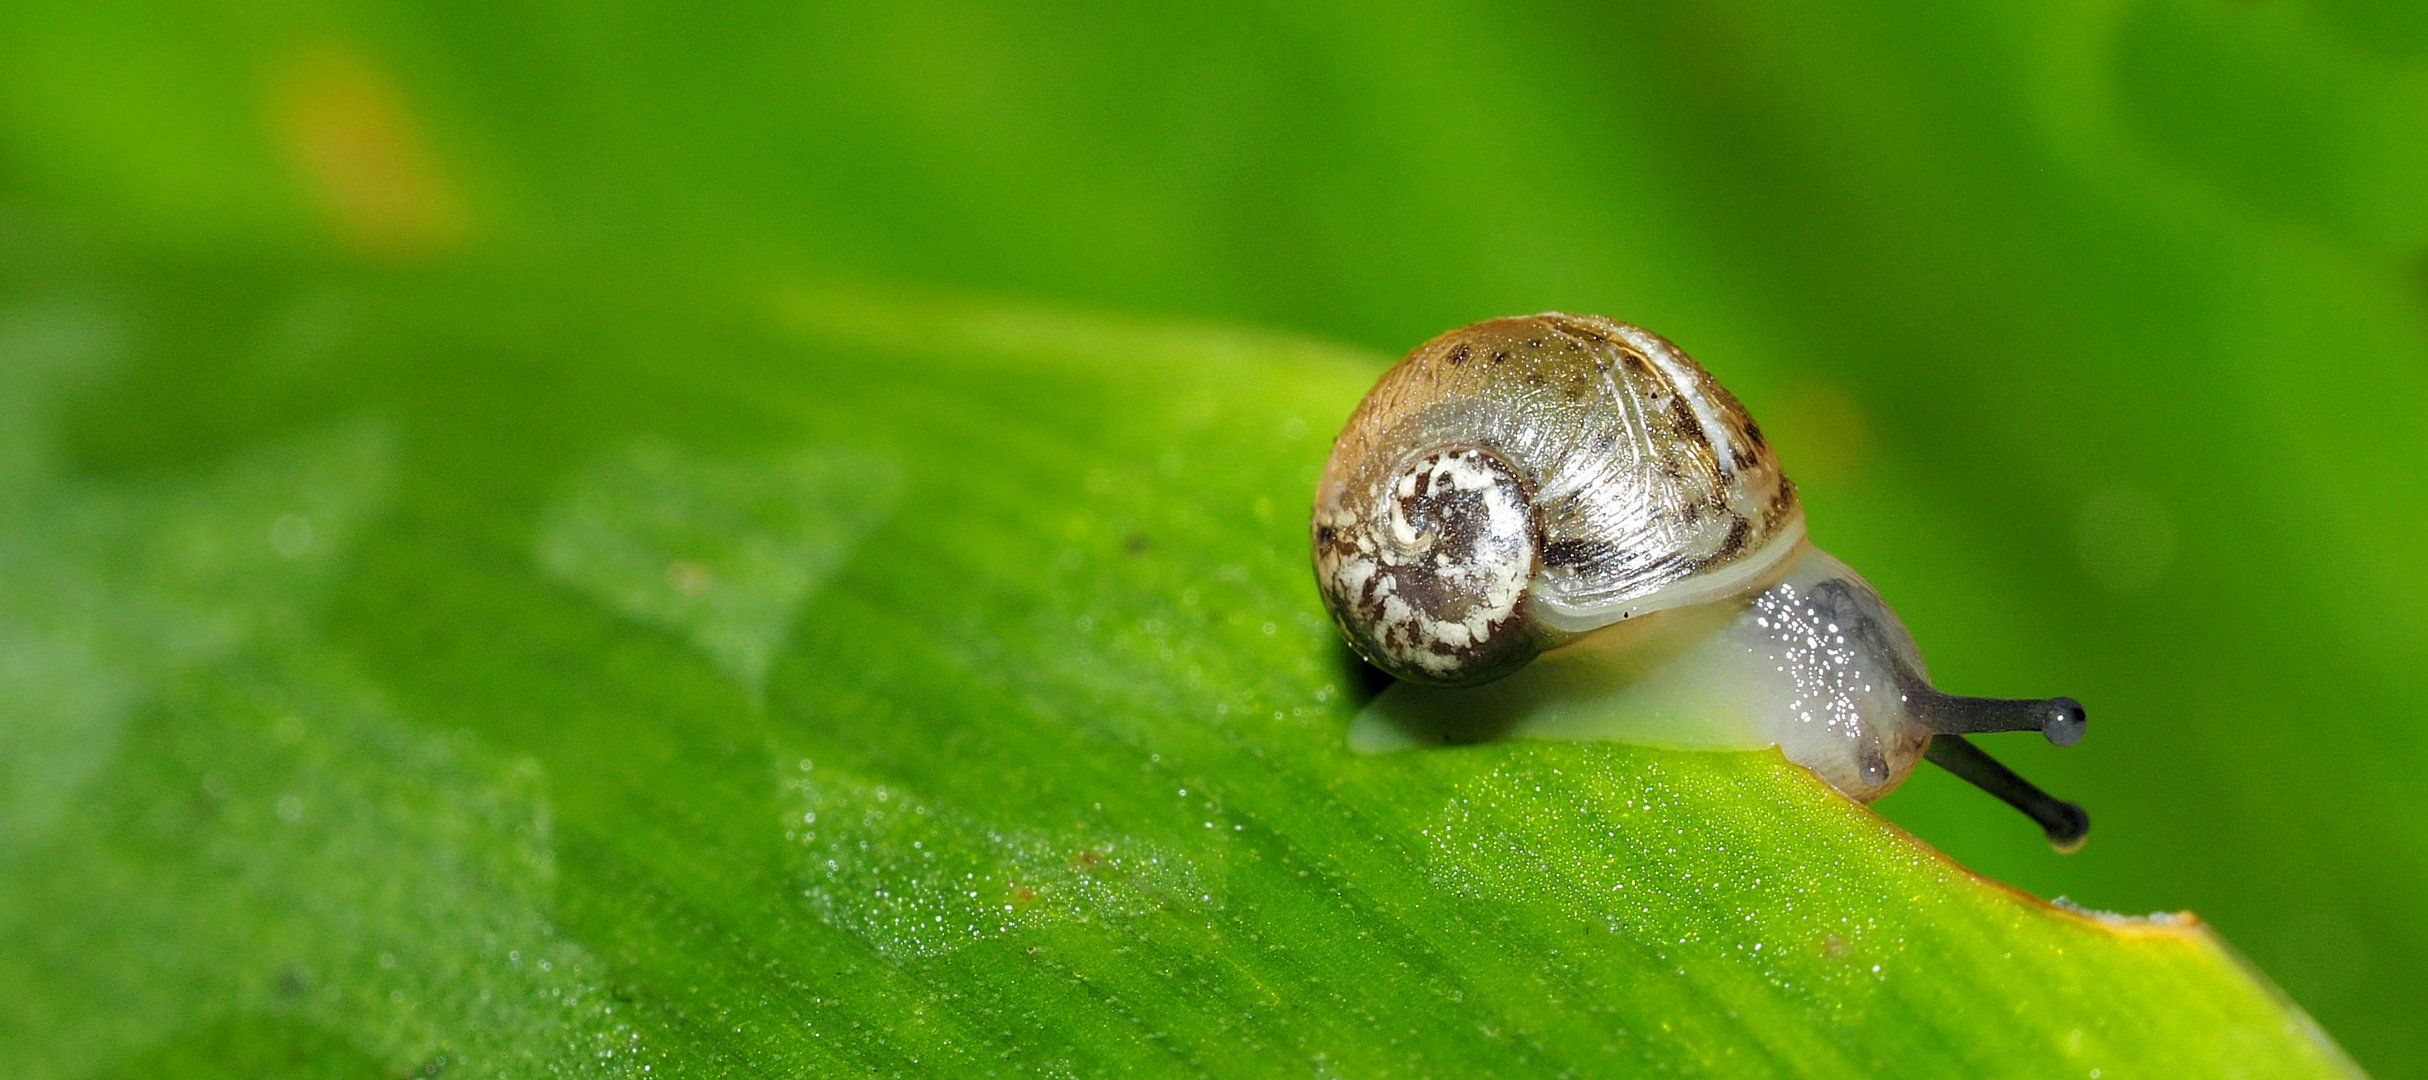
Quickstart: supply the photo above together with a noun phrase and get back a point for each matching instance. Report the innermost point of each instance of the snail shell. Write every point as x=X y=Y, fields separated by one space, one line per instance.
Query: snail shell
x=1518 y=482
x=1576 y=485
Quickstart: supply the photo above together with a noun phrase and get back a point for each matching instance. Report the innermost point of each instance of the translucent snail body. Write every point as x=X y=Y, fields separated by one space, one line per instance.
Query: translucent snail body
x=1561 y=526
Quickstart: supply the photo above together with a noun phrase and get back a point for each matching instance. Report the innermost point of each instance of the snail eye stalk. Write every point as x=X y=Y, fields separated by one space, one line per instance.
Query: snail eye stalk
x=2060 y=718
x=2065 y=822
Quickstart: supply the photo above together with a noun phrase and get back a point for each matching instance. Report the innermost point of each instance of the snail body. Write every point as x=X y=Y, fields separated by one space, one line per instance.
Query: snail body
x=1562 y=526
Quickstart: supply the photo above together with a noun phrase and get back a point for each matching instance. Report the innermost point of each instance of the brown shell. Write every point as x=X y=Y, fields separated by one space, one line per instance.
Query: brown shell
x=1643 y=480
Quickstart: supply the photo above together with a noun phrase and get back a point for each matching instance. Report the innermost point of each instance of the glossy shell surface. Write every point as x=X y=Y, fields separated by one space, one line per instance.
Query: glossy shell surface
x=1517 y=482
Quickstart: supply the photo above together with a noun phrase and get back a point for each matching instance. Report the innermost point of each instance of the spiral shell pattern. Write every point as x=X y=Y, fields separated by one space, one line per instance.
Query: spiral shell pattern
x=1517 y=482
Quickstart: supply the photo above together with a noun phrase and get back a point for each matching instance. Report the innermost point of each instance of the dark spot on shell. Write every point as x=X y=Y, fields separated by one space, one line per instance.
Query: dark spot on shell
x=1459 y=353
x=1534 y=343
x=1783 y=498
x=1753 y=434
x=1737 y=535
x=1324 y=534
x=1682 y=414
x=1500 y=356
x=1634 y=360
x=1571 y=552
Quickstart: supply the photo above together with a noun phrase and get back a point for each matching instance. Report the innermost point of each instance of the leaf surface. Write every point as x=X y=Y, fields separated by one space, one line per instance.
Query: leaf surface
x=550 y=679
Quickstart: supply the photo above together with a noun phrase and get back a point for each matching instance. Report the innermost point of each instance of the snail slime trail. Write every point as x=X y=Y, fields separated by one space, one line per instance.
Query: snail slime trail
x=1560 y=526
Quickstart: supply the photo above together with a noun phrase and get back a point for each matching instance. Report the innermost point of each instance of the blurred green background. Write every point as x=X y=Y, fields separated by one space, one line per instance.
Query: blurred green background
x=2096 y=333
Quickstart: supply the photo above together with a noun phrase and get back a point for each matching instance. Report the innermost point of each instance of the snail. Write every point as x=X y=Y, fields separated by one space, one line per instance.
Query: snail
x=1561 y=526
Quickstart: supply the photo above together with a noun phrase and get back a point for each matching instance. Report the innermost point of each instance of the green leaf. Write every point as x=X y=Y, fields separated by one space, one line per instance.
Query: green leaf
x=518 y=677
x=2091 y=334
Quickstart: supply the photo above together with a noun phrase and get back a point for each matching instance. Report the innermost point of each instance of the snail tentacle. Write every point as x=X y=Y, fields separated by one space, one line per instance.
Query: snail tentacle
x=2065 y=823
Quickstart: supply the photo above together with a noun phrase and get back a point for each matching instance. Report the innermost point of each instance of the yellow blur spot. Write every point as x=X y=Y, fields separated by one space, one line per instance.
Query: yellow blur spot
x=362 y=156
